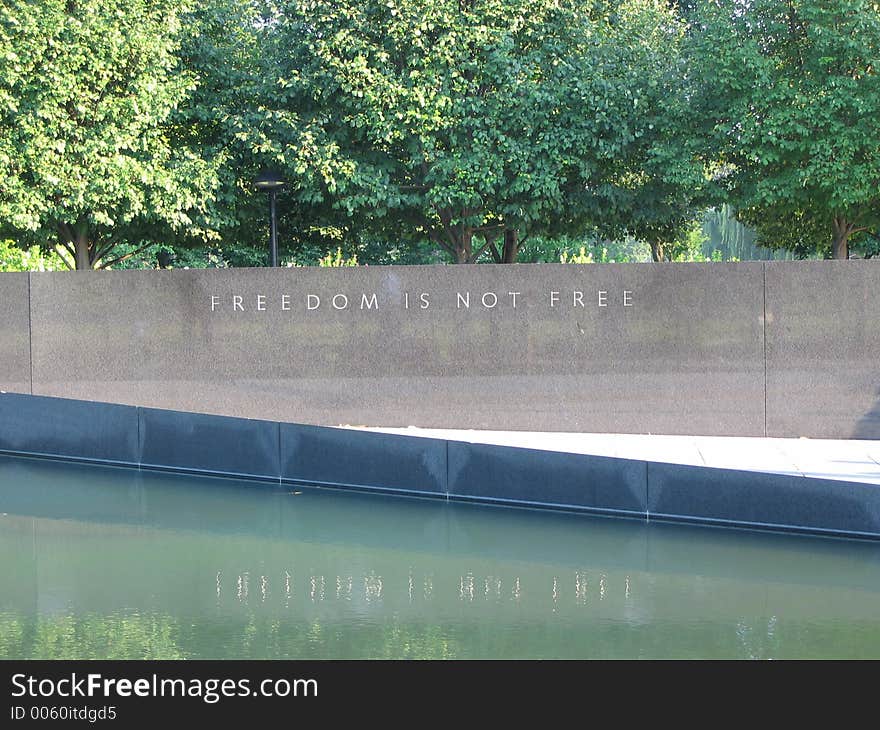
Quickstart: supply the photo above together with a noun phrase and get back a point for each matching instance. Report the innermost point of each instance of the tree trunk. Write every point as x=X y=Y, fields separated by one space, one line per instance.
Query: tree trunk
x=840 y=242
x=492 y=248
x=511 y=246
x=656 y=251
x=464 y=248
x=74 y=240
x=81 y=249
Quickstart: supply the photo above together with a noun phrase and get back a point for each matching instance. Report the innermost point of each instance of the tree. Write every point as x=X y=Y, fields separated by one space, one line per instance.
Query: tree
x=89 y=153
x=658 y=188
x=793 y=92
x=470 y=123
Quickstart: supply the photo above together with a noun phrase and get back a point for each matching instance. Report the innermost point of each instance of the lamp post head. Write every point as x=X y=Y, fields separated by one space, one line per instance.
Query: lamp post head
x=269 y=180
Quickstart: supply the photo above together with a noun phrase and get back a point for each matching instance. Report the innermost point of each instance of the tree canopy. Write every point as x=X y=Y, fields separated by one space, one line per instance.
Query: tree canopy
x=794 y=97
x=459 y=130
x=89 y=155
x=470 y=122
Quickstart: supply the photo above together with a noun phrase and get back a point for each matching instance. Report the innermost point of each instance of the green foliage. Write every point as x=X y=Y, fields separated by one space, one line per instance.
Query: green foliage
x=14 y=258
x=336 y=260
x=581 y=257
x=568 y=249
x=689 y=245
x=214 y=255
x=659 y=187
x=448 y=131
x=793 y=93
x=89 y=154
x=870 y=246
x=92 y=636
x=453 y=122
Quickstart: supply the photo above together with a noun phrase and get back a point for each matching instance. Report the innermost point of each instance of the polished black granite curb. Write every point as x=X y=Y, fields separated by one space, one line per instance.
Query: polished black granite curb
x=488 y=473
x=762 y=500
x=287 y=453
x=81 y=430
x=195 y=442
x=338 y=457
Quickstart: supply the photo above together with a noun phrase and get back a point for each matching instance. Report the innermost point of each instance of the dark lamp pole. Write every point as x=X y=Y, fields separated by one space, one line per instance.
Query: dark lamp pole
x=271 y=182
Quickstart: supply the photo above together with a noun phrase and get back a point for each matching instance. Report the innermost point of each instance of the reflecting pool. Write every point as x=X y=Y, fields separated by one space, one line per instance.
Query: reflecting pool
x=98 y=562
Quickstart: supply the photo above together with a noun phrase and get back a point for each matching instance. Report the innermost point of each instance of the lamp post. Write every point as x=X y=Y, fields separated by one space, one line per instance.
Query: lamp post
x=271 y=182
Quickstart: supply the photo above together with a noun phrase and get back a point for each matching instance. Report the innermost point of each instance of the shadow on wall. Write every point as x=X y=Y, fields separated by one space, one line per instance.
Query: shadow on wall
x=868 y=426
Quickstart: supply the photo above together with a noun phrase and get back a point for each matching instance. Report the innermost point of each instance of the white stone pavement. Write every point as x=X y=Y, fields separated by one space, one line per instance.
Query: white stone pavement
x=848 y=460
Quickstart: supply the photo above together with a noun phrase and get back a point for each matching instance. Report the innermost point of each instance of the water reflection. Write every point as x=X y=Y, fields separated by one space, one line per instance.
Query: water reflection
x=107 y=562
x=581 y=587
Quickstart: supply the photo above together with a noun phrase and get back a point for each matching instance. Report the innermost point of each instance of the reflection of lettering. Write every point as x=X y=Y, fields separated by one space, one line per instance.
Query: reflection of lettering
x=466 y=587
x=471 y=588
x=316 y=587
x=580 y=588
x=372 y=587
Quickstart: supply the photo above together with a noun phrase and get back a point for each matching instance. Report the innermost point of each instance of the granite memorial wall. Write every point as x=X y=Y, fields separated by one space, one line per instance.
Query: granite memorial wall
x=15 y=356
x=823 y=349
x=782 y=349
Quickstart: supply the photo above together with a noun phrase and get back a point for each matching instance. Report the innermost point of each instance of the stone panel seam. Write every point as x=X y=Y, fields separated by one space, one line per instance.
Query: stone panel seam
x=30 y=332
x=446 y=485
x=764 y=337
x=140 y=448
x=278 y=429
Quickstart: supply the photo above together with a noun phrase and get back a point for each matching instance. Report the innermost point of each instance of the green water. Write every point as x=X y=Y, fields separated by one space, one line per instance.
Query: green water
x=110 y=563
